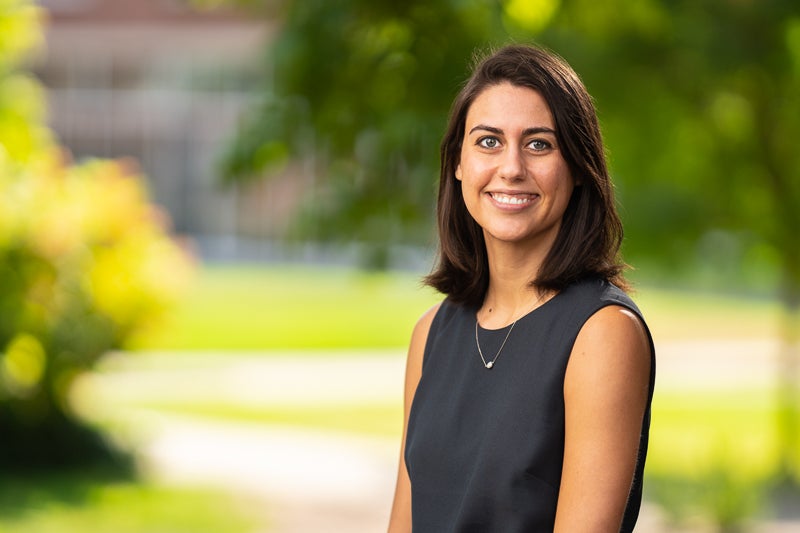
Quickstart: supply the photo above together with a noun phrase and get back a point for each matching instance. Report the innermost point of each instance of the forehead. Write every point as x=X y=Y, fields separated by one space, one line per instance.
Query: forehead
x=509 y=107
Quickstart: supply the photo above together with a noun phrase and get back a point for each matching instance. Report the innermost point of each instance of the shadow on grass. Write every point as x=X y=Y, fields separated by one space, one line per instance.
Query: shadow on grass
x=58 y=460
x=712 y=498
x=105 y=499
x=721 y=499
x=24 y=493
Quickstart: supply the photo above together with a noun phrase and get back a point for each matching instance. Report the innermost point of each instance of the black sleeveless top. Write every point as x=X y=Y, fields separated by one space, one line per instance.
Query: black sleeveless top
x=484 y=448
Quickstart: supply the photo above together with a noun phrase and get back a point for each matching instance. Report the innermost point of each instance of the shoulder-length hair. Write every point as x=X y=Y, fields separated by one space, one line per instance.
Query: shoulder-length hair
x=590 y=235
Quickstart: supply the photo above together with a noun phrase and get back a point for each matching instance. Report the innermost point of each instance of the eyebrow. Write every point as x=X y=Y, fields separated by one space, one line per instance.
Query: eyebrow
x=525 y=132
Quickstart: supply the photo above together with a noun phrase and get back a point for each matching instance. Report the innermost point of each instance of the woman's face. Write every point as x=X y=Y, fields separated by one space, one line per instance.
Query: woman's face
x=514 y=179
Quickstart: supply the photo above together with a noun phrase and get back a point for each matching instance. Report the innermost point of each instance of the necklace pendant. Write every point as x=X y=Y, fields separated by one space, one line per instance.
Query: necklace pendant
x=489 y=365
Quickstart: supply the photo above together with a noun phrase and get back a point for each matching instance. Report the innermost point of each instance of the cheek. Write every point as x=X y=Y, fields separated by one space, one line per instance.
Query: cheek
x=567 y=184
x=567 y=188
x=563 y=181
x=568 y=191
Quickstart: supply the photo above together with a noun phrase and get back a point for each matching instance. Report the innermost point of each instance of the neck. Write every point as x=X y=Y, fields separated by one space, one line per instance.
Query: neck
x=510 y=294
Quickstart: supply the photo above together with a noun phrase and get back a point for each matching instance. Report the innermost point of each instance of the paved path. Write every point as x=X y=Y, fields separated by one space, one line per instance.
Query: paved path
x=306 y=480
x=313 y=481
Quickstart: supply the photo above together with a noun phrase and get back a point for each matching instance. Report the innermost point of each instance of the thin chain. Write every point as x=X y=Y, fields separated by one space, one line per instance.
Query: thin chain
x=490 y=364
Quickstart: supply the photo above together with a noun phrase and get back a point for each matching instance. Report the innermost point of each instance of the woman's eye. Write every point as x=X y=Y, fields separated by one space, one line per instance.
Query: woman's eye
x=539 y=146
x=488 y=142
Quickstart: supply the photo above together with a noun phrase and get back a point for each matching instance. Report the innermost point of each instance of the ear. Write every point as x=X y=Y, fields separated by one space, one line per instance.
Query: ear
x=458 y=172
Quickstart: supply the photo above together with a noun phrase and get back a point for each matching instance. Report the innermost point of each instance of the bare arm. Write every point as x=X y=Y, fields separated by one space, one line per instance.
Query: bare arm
x=400 y=520
x=605 y=395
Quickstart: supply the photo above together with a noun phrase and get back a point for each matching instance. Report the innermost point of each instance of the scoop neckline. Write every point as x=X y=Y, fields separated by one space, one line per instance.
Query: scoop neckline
x=520 y=319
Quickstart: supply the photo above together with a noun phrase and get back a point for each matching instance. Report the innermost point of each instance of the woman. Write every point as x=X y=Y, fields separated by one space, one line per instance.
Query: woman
x=528 y=389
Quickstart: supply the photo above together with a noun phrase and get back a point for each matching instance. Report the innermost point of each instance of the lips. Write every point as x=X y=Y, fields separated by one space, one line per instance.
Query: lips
x=513 y=199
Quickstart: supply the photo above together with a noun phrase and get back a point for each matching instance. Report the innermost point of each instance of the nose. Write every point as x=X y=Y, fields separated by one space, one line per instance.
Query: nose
x=512 y=167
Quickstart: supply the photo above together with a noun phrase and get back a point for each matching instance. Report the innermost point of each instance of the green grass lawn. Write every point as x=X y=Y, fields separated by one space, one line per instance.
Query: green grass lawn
x=695 y=433
x=255 y=308
x=80 y=502
x=277 y=308
x=714 y=456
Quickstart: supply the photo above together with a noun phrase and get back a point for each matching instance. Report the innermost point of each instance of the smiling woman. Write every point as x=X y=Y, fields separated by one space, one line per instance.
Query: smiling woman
x=553 y=436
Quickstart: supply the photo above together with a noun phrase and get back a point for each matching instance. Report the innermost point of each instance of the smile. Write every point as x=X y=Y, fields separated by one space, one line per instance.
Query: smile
x=512 y=199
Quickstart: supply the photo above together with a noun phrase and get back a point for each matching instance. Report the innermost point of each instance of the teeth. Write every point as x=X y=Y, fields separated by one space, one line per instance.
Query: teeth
x=511 y=200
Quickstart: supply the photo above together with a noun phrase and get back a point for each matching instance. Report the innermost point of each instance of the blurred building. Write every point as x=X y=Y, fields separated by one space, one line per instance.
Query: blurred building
x=165 y=84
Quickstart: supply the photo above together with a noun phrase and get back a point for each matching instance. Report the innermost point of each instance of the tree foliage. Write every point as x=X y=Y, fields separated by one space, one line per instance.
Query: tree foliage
x=362 y=88
x=697 y=102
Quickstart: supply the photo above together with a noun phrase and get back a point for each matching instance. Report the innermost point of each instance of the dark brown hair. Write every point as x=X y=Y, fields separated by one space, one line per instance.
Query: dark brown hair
x=590 y=235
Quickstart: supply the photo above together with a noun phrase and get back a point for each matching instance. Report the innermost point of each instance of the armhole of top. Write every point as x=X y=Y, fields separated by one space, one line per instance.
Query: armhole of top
x=438 y=317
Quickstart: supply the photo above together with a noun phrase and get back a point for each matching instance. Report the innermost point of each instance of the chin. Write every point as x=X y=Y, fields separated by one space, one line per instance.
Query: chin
x=509 y=238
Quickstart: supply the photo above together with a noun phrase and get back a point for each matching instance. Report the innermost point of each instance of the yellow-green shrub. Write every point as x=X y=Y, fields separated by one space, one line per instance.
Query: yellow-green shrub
x=85 y=261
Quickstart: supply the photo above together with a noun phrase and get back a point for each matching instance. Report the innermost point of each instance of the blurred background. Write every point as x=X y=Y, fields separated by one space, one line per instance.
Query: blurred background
x=214 y=217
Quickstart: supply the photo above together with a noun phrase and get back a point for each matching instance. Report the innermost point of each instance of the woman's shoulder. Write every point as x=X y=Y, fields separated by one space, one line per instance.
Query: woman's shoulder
x=595 y=303
x=596 y=292
x=609 y=315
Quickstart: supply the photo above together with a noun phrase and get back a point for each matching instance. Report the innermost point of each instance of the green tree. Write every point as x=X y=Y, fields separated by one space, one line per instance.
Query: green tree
x=361 y=88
